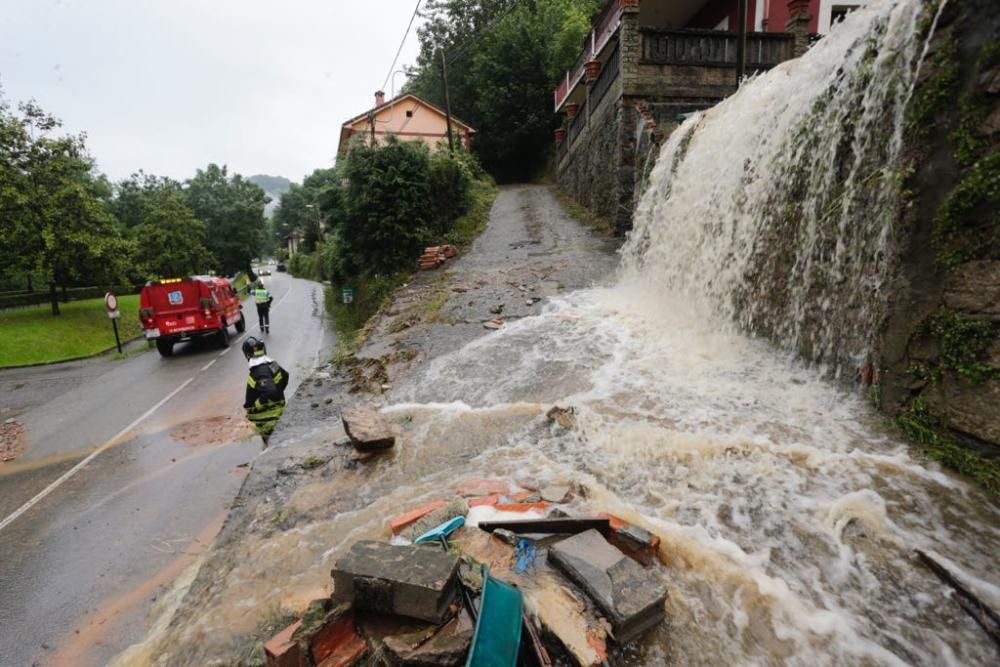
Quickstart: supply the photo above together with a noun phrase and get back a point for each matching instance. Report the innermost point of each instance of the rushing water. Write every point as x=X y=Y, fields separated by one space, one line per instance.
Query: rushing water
x=788 y=512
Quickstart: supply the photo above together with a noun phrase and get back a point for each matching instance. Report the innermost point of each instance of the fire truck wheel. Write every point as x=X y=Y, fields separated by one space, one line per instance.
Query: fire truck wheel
x=241 y=325
x=165 y=347
x=223 y=337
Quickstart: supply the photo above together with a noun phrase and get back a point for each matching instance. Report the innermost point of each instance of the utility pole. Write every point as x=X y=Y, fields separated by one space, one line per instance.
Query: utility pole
x=741 y=41
x=447 y=102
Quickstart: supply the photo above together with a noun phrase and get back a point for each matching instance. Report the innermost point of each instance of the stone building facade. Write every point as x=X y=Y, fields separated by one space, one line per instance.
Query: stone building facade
x=632 y=84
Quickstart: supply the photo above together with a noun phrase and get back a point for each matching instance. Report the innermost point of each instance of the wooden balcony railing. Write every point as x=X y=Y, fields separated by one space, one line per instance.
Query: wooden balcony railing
x=604 y=28
x=713 y=48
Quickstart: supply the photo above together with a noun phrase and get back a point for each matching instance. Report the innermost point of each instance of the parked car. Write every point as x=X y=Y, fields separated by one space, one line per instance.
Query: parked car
x=180 y=309
x=264 y=271
x=281 y=267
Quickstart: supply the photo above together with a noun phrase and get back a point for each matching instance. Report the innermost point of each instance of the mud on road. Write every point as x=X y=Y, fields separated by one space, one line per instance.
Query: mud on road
x=306 y=498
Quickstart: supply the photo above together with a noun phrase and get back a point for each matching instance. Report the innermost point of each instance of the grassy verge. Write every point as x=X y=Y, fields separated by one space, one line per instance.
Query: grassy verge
x=482 y=193
x=599 y=223
x=34 y=336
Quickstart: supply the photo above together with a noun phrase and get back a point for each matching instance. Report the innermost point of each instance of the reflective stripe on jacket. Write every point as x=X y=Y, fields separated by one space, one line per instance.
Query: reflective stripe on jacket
x=261 y=296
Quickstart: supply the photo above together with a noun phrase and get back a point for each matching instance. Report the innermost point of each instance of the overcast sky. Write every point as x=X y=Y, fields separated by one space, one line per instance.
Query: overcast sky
x=171 y=85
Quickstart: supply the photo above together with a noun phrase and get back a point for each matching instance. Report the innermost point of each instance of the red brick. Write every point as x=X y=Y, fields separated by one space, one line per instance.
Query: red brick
x=523 y=507
x=281 y=651
x=414 y=515
x=338 y=644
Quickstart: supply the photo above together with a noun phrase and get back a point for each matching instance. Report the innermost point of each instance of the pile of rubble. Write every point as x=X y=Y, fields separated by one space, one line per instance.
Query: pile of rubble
x=497 y=574
x=436 y=256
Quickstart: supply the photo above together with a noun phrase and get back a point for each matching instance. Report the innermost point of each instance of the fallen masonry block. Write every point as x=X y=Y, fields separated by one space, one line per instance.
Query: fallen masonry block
x=453 y=508
x=282 y=651
x=444 y=647
x=483 y=487
x=486 y=500
x=329 y=635
x=634 y=541
x=415 y=581
x=414 y=515
x=367 y=429
x=631 y=597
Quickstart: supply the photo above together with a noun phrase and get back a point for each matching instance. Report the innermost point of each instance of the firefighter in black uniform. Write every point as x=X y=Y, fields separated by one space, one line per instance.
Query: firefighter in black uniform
x=265 y=398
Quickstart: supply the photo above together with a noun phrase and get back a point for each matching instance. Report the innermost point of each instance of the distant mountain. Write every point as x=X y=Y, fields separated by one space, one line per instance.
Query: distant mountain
x=274 y=186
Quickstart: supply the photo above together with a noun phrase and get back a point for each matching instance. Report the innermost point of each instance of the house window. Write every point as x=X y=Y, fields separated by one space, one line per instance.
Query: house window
x=409 y=113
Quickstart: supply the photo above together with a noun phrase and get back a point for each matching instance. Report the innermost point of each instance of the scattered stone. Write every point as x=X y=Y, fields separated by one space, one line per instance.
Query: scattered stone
x=415 y=581
x=631 y=597
x=454 y=507
x=559 y=493
x=494 y=324
x=368 y=429
x=315 y=405
x=487 y=500
x=282 y=651
x=328 y=401
x=496 y=310
x=445 y=647
x=637 y=543
x=565 y=417
x=414 y=515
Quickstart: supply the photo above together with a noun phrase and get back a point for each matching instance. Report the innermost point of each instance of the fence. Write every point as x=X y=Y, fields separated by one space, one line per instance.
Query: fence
x=714 y=48
x=579 y=122
x=608 y=75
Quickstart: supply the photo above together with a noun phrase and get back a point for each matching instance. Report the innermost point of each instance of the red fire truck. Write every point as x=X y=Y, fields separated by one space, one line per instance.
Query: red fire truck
x=182 y=309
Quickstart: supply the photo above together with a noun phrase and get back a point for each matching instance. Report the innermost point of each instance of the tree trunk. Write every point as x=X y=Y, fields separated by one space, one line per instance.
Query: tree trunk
x=54 y=298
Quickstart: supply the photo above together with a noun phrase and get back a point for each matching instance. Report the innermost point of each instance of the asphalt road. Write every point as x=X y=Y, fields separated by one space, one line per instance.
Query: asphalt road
x=129 y=470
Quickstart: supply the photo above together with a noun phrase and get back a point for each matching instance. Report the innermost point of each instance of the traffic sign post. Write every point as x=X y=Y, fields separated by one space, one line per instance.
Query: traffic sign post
x=111 y=303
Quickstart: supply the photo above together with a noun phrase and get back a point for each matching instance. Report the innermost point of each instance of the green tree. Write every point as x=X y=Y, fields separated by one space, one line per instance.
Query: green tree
x=505 y=58
x=232 y=209
x=385 y=208
x=301 y=208
x=53 y=207
x=169 y=240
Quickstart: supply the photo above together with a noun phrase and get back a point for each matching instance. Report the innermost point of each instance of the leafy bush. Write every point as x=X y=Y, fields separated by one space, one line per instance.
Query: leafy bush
x=386 y=208
x=449 y=180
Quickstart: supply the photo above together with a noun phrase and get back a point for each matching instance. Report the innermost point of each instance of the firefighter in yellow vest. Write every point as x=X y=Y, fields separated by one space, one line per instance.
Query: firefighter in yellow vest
x=265 y=396
x=263 y=299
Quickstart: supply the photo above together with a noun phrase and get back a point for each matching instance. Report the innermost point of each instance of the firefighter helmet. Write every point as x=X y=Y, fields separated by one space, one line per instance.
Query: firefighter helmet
x=253 y=347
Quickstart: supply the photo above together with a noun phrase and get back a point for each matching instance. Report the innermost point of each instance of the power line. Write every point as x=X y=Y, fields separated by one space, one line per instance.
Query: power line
x=401 y=44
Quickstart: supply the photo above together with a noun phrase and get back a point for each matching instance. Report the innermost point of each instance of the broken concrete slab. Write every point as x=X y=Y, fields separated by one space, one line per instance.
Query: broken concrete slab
x=415 y=581
x=631 y=597
x=283 y=651
x=444 y=647
x=368 y=430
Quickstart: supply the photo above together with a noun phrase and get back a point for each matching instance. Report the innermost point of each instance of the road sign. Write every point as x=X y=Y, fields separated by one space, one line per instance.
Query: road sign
x=347 y=295
x=111 y=303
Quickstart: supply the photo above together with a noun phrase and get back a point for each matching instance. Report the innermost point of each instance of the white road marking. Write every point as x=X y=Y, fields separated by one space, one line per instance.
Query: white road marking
x=79 y=466
x=94 y=454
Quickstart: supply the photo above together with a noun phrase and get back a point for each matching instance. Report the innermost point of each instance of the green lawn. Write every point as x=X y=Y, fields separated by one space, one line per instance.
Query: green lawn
x=32 y=335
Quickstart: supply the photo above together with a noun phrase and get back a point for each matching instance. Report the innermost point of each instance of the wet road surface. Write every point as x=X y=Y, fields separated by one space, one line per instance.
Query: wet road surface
x=129 y=469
